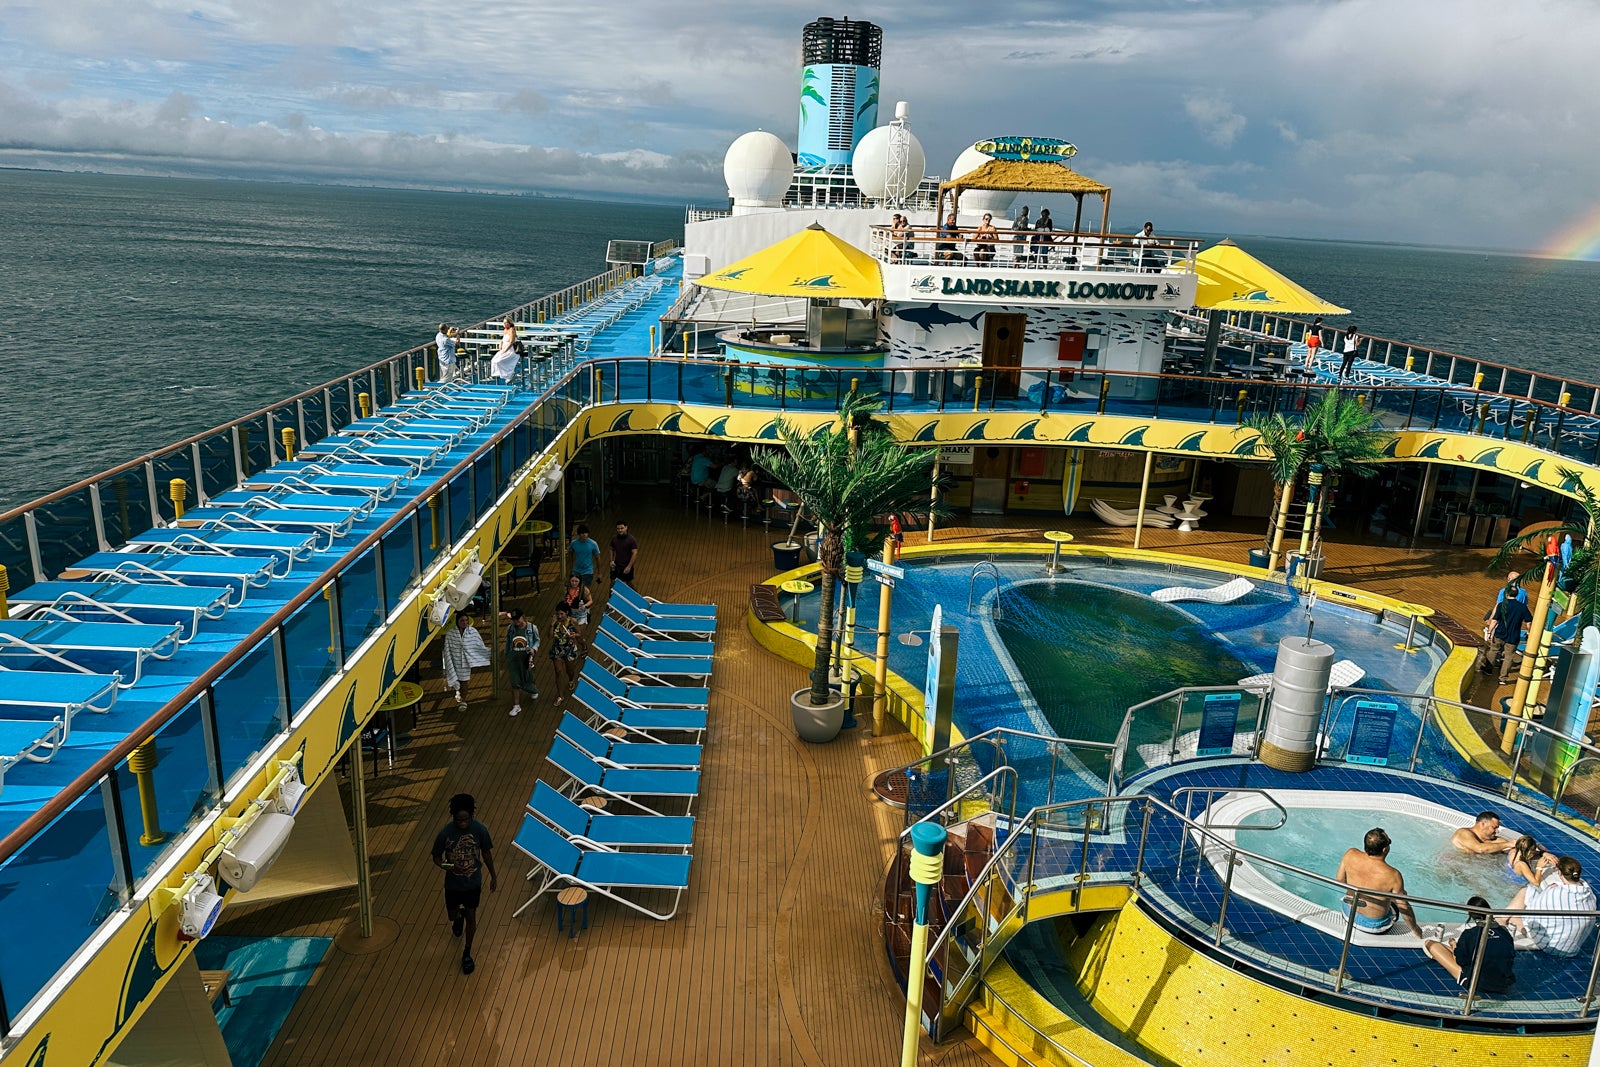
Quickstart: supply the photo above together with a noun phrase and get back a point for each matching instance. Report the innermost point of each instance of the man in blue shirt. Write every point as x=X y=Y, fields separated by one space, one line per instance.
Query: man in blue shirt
x=1508 y=619
x=585 y=550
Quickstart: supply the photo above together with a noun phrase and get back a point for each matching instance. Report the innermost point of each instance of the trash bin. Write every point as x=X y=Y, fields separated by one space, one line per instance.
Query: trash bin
x=813 y=547
x=1259 y=558
x=785 y=555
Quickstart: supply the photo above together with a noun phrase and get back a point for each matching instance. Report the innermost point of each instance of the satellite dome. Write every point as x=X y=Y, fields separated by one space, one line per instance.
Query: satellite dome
x=758 y=169
x=978 y=201
x=870 y=164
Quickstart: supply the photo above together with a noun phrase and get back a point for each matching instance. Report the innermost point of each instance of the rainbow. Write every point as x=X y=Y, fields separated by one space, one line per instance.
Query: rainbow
x=1579 y=239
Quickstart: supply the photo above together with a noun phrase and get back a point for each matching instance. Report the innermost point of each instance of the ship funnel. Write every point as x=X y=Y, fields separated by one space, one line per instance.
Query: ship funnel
x=838 y=89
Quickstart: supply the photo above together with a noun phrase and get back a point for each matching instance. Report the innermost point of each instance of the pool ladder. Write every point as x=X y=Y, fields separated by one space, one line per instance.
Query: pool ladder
x=985 y=566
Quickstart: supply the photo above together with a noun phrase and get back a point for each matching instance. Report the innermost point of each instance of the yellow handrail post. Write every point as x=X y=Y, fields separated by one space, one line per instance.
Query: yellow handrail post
x=652 y=340
x=422 y=377
x=977 y=391
x=1239 y=404
x=288 y=442
x=880 y=660
x=5 y=584
x=433 y=511
x=178 y=490
x=927 y=868
x=364 y=402
x=1526 y=684
x=142 y=762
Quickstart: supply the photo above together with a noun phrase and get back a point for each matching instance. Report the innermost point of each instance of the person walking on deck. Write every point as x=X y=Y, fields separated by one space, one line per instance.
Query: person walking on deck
x=522 y=648
x=624 y=554
x=445 y=342
x=1507 y=620
x=464 y=850
x=585 y=550
x=1352 y=342
x=463 y=650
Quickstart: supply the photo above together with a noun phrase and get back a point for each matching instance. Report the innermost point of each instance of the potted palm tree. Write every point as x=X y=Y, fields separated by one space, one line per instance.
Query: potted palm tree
x=1336 y=432
x=844 y=476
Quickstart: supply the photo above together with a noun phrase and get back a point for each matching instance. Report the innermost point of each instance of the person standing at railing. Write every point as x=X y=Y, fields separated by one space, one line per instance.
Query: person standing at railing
x=1020 y=227
x=948 y=233
x=899 y=246
x=1352 y=341
x=1459 y=955
x=1150 y=260
x=445 y=343
x=1043 y=235
x=1313 y=343
x=983 y=241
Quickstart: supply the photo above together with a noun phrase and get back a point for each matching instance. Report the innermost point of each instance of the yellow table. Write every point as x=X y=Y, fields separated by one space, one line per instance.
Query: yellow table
x=403 y=695
x=799 y=587
x=535 y=527
x=1059 y=537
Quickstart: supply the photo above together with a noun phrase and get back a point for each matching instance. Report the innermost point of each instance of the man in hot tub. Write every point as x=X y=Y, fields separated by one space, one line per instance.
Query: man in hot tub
x=1368 y=868
x=1482 y=837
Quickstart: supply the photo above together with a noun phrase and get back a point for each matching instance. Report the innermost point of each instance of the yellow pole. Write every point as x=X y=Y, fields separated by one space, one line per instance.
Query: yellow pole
x=1477 y=380
x=652 y=340
x=1144 y=498
x=1525 y=672
x=178 y=490
x=977 y=391
x=422 y=377
x=288 y=442
x=1313 y=483
x=541 y=314
x=5 y=584
x=433 y=510
x=927 y=866
x=880 y=661
x=142 y=762
x=686 y=344
x=364 y=401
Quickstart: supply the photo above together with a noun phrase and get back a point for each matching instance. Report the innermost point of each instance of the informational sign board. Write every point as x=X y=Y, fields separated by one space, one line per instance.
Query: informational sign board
x=888 y=570
x=955 y=455
x=939 y=686
x=1219 y=718
x=1372 y=732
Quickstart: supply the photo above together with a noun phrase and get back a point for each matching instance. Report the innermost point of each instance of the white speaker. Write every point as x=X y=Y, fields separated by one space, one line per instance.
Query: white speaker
x=198 y=909
x=243 y=863
x=460 y=592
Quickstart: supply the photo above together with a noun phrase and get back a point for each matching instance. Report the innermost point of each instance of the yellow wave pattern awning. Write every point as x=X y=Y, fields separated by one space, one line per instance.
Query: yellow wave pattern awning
x=813 y=263
x=1231 y=279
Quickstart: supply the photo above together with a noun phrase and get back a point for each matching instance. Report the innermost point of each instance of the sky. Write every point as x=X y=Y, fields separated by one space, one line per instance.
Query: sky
x=1454 y=122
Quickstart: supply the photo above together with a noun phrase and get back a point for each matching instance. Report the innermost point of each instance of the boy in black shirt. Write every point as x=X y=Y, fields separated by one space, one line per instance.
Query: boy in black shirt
x=1499 y=954
x=464 y=849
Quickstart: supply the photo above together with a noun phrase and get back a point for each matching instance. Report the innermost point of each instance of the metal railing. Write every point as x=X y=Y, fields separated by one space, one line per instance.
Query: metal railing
x=1033 y=250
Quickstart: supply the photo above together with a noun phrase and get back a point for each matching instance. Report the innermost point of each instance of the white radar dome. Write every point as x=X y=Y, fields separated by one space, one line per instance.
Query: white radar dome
x=758 y=169
x=870 y=163
x=977 y=201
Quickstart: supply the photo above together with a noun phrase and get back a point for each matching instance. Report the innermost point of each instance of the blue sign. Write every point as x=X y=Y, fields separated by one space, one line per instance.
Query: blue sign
x=1372 y=732
x=1219 y=718
x=1041 y=149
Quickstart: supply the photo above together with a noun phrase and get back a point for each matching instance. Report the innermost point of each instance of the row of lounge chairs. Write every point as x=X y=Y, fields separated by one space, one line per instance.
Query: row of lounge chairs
x=635 y=752
x=74 y=642
x=1118 y=517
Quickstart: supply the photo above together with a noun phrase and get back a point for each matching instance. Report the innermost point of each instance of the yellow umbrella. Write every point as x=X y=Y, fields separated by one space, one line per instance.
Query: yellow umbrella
x=812 y=263
x=1231 y=279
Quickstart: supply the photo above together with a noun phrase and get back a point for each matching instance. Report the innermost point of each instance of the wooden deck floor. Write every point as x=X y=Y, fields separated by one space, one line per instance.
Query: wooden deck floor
x=774 y=957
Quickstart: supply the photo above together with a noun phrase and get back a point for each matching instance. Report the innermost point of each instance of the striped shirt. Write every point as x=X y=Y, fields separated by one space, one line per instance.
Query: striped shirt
x=1560 y=935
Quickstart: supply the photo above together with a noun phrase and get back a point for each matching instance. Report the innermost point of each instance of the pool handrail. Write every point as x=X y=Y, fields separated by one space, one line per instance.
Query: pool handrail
x=953 y=803
x=1004 y=857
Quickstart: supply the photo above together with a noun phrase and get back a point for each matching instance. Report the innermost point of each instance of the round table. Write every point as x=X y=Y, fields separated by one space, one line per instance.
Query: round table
x=403 y=695
x=535 y=527
x=1058 y=538
x=568 y=901
x=799 y=587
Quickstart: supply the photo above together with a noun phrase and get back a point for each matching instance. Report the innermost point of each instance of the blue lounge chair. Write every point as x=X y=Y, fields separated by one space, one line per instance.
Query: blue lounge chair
x=236 y=572
x=622 y=782
x=641 y=754
x=649 y=721
x=376 y=488
x=609 y=830
x=559 y=862
x=653 y=668
x=35 y=642
x=128 y=601
x=332 y=523
x=284 y=547
x=648 y=647
x=656 y=627
x=289 y=498
x=652 y=606
x=645 y=696
x=37 y=708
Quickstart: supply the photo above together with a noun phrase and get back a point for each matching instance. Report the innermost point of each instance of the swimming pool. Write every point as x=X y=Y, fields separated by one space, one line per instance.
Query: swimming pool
x=1069 y=654
x=1320 y=825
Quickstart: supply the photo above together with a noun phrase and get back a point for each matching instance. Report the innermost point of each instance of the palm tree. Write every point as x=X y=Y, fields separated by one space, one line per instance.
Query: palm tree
x=1336 y=431
x=846 y=475
x=1581 y=577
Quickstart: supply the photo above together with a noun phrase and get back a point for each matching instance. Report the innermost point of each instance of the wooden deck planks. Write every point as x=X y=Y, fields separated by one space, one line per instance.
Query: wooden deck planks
x=774 y=957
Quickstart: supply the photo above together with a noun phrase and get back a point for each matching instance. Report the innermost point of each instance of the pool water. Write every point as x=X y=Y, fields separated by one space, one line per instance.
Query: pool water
x=1089 y=652
x=1314 y=839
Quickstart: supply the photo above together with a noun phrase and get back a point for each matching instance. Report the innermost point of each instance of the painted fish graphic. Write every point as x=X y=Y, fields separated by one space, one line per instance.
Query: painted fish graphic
x=821 y=281
x=933 y=315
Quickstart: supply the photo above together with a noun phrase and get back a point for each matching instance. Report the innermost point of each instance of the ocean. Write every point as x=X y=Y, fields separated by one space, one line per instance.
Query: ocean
x=137 y=311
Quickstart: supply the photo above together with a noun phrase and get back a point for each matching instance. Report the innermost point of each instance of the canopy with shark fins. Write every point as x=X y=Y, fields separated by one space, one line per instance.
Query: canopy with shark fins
x=1231 y=279
x=813 y=263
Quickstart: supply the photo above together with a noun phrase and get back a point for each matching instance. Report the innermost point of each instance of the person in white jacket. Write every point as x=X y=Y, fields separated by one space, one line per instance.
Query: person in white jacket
x=463 y=650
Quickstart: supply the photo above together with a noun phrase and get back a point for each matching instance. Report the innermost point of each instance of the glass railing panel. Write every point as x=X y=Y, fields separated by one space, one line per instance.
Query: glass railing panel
x=253 y=445
x=217 y=472
x=361 y=605
x=251 y=707
x=124 y=506
x=316 y=417
x=433 y=537
x=169 y=467
x=628 y=380
x=484 y=483
x=702 y=382
x=54 y=892
x=313 y=656
x=401 y=566
x=65 y=530
x=1428 y=409
x=15 y=556
x=459 y=495
x=181 y=784
x=338 y=408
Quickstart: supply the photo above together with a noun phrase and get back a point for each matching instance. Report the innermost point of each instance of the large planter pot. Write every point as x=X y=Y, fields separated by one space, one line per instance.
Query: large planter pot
x=817 y=724
x=786 y=555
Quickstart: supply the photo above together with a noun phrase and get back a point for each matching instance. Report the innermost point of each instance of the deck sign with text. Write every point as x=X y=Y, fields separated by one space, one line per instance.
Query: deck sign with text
x=1372 y=732
x=1219 y=717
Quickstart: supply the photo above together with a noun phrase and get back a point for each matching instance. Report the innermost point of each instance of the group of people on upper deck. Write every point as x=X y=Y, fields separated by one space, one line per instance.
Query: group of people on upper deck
x=1547 y=883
